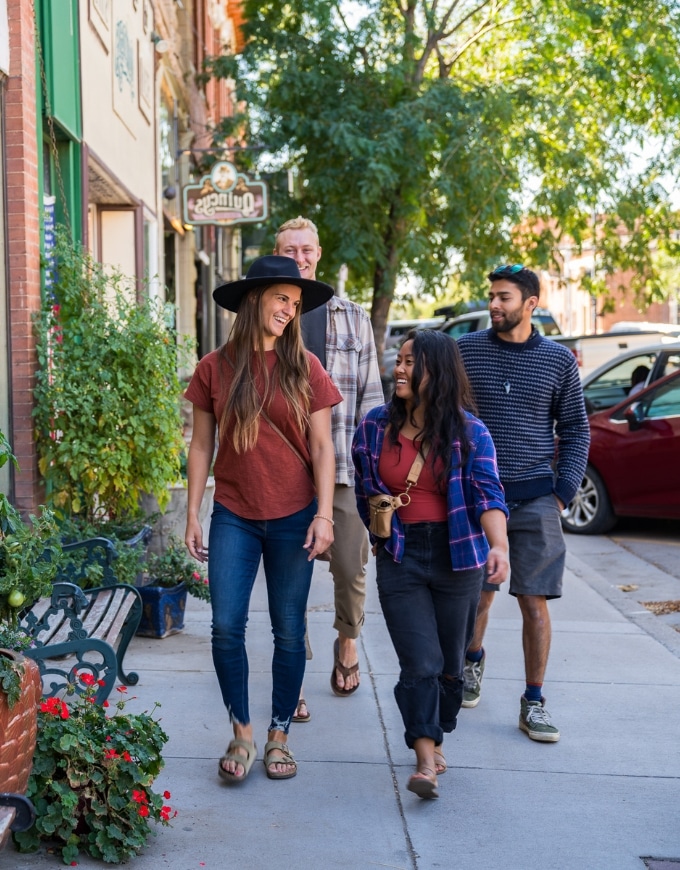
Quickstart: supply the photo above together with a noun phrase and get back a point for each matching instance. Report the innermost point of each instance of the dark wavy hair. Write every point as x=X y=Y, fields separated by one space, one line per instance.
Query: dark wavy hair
x=446 y=396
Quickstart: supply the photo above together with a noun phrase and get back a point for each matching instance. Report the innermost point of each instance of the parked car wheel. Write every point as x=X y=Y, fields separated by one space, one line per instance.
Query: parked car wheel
x=590 y=512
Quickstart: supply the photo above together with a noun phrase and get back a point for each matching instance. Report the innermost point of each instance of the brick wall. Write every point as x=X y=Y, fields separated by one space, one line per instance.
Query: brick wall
x=23 y=231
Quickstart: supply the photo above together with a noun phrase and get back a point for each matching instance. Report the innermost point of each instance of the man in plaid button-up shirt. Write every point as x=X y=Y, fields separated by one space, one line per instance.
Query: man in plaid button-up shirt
x=340 y=334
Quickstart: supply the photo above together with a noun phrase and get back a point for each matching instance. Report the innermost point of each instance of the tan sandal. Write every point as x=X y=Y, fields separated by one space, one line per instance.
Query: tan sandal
x=439 y=760
x=423 y=785
x=246 y=761
x=286 y=758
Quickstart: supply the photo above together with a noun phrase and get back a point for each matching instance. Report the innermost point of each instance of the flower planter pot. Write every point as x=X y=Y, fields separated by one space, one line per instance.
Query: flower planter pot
x=163 y=610
x=18 y=728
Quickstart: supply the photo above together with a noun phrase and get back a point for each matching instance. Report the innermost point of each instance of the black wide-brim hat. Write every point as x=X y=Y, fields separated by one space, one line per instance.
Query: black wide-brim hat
x=272 y=270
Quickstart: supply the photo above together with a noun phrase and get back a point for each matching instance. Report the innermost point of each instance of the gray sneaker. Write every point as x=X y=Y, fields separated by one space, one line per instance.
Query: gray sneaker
x=534 y=719
x=472 y=675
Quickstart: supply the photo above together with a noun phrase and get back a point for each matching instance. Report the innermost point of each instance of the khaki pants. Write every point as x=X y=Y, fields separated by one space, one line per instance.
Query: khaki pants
x=349 y=555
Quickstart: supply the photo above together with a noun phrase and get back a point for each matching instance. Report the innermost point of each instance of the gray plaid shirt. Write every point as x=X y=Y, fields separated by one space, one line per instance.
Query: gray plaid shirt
x=352 y=363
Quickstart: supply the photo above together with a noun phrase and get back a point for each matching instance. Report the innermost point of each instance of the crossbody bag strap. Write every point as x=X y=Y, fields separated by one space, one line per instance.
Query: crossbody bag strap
x=416 y=468
x=285 y=440
x=288 y=443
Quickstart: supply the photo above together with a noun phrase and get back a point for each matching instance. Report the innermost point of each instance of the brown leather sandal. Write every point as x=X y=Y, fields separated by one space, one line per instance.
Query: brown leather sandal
x=346 y=672
x=297 y=716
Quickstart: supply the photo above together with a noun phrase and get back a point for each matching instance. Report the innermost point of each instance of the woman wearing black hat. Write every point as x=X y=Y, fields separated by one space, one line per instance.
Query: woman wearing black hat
x=270 y=401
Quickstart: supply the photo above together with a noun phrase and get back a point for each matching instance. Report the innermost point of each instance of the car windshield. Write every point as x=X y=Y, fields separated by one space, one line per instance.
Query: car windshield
x=614 y=385
x=664 y=402
x=455 y=330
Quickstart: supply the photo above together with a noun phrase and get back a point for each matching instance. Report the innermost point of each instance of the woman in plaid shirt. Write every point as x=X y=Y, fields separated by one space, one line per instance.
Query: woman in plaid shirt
x=443 y=544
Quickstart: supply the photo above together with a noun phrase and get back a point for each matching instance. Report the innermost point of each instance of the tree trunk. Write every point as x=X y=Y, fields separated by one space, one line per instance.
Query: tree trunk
x=384 y=282
x=379 y=315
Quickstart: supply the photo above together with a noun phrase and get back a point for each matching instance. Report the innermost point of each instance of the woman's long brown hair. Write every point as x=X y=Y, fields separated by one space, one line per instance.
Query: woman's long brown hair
x=244 y=352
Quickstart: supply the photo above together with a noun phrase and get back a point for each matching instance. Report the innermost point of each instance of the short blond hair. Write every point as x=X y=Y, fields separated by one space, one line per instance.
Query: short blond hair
x=298 y=223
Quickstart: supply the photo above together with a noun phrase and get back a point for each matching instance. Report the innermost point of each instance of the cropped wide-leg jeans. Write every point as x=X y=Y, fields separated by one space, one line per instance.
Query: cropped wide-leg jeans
x=430 y=613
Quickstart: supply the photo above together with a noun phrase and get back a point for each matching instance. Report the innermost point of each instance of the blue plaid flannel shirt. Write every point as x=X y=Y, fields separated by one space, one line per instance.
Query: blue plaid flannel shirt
x=471 y=490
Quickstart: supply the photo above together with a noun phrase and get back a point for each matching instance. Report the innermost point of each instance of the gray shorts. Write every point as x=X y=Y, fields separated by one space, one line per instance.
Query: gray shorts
x=537 y=548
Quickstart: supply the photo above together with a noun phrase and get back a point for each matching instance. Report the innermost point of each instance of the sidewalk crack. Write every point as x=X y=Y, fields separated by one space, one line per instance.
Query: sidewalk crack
x=393 y=773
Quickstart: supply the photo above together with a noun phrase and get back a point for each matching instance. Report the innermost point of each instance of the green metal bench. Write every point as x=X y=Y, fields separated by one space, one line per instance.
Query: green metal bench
x=89 y=630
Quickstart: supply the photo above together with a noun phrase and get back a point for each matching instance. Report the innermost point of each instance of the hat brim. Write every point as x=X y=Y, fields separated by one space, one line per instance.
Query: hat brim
x=314 y=293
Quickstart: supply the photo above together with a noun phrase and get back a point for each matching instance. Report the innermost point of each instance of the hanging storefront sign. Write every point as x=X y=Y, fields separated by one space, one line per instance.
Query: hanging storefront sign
x=225 y=197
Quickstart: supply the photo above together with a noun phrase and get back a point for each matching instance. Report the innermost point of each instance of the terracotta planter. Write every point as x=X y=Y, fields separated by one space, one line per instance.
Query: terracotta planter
x=18 y=728
x=163 y=610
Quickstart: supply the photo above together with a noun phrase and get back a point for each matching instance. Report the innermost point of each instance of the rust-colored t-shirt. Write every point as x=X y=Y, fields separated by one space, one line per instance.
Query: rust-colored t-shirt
x=269 y=481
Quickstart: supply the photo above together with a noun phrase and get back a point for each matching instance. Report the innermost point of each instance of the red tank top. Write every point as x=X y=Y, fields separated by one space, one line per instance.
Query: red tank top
x=428 y=503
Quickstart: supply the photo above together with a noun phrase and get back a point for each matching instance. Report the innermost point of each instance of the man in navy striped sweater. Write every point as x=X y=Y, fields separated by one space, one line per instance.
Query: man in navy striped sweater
x=528 y=391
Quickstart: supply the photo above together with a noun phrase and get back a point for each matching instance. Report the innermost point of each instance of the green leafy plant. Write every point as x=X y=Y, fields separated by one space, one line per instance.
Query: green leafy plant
x=107 y=397
x=29 y=558
x=11 y=671
x=175 y=566
x=92 y=777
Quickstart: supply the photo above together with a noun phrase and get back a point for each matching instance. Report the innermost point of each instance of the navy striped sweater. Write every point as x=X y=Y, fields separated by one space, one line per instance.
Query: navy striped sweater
x=527 y=393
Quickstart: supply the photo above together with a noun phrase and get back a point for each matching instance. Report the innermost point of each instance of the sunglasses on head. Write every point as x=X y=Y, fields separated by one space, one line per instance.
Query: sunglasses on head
x=499 y=271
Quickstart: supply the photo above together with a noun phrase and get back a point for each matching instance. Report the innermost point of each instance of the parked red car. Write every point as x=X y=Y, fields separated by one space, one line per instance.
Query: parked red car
x=634 y=461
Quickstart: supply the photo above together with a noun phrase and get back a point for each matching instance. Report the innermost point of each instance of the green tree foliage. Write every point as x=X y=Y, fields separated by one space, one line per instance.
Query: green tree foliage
x=422 y=133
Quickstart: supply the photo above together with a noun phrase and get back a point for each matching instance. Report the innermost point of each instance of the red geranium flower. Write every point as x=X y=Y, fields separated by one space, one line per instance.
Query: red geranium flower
x=55 y=707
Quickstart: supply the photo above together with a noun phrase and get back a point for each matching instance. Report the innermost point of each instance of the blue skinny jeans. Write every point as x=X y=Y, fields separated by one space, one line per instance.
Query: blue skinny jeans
x=430 y=614
x=234 y=549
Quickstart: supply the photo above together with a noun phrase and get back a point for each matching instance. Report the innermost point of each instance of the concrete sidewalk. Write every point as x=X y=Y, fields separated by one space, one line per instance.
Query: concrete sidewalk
x=605 y=795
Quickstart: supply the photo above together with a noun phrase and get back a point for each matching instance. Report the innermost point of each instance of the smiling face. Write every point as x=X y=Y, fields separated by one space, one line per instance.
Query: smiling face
x=303 y=246
x=509 y=313
x=278 y=305
x=403 y=373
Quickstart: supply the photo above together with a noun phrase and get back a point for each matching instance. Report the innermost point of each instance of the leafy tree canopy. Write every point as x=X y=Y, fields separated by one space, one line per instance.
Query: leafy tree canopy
x=435 y=137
